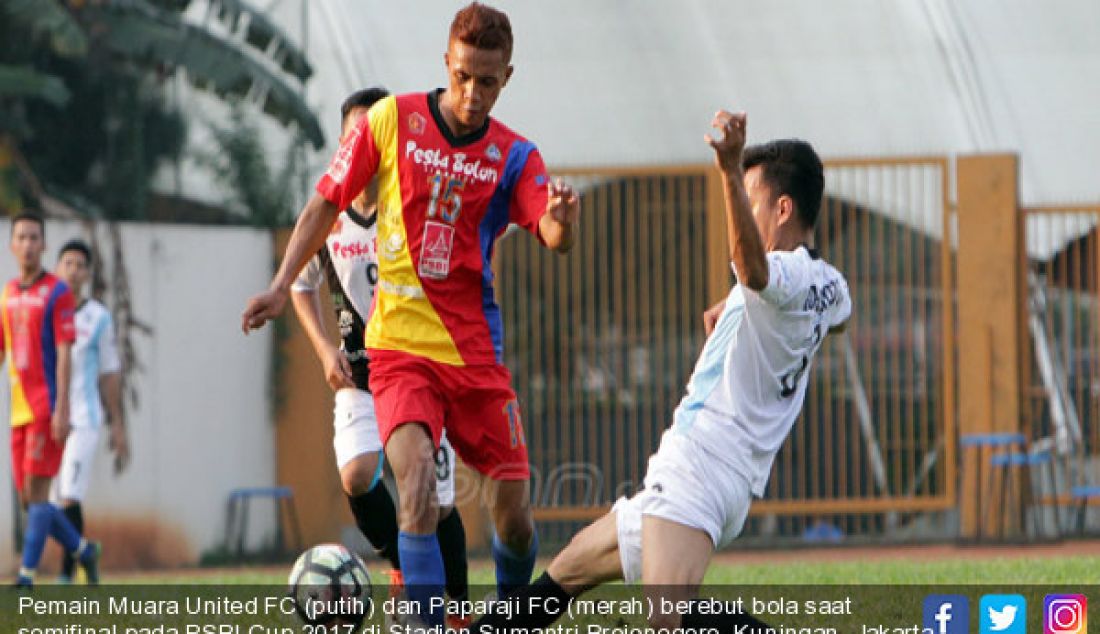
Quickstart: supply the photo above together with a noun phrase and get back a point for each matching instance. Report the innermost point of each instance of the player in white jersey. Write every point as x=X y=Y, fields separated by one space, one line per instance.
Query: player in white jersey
x=95 y=393
x=349 y=264
x=744 y=395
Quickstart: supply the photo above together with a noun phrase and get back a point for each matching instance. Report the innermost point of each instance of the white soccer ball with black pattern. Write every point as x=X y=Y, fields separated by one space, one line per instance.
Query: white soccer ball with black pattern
x=330 y=584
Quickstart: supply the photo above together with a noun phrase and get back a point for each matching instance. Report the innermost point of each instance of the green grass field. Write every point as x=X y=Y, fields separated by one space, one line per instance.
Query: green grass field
x=1068 y=569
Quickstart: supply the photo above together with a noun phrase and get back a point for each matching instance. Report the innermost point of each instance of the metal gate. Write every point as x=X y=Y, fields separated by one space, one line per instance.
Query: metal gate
x=601 y=343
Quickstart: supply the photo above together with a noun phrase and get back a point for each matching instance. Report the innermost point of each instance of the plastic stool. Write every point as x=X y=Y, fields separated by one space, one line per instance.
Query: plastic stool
x=1082 y=495
x=985 y=443
x=236 y=524
x=1027 y=462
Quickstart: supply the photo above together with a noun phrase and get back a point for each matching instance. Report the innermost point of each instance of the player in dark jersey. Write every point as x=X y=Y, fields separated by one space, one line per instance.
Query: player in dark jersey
x=450 y=180
x=348 y=263
x=36 y=310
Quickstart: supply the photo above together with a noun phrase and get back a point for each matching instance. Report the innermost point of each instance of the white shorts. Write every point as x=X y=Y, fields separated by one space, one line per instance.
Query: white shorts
x=355 y=432
x=355 y=426
x=75 y=473
x=685 y=484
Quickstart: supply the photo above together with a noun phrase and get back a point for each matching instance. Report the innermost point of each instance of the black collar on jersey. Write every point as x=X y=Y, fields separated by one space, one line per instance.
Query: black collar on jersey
x=359 y=219
x=37 y=279
x=445 y=130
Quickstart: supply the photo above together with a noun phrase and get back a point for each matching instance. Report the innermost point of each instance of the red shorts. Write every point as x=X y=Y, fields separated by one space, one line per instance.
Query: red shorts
x=475 y=403
x=34 y=452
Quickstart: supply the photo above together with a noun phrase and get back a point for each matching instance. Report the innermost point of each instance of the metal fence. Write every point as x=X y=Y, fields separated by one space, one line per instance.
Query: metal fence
x=601 y=344
x=1062 y=332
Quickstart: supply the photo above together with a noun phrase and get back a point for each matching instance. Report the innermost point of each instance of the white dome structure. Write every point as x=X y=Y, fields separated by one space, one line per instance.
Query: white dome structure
x=635 y=82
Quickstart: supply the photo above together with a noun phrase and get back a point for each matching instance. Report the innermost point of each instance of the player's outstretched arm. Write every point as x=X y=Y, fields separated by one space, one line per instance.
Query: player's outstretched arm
x=558 y=226
x=746 y=246
x=307 y=238
x=307 y=306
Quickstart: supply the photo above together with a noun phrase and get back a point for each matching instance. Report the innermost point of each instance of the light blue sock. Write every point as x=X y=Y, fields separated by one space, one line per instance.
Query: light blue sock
x=513 y=571
x=422 y=567
x=38 y=529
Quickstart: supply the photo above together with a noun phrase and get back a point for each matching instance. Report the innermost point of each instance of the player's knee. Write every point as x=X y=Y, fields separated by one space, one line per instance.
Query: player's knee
x=571 y=566
x=357 y=477
x=516 y=531
x=567 y=569
x=418 y=502
x=412 y=456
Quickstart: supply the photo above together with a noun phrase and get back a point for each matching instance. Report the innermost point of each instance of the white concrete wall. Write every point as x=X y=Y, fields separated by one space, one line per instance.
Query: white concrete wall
x=203 y=424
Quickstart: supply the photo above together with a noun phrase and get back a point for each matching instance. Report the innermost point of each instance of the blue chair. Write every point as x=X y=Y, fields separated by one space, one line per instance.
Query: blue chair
x=1026 y=462
x=1081 y=496
x=236 y=524
x=988 y=445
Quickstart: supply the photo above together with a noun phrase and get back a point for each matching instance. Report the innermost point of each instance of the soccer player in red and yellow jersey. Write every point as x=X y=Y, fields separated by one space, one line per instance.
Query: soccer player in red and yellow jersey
x=36 y=315
x=450 y=180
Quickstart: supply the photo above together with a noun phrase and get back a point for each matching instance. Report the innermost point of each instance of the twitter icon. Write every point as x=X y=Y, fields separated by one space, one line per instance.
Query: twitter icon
x=1003 y=614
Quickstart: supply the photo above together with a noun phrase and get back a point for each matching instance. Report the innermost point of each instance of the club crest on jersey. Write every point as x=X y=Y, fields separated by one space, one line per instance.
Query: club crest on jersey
x=417 y=122
x=493 y=152
x=435 y=250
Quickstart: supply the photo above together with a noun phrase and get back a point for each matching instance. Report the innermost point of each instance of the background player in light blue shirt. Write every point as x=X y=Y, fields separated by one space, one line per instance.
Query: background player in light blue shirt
x=95 y=393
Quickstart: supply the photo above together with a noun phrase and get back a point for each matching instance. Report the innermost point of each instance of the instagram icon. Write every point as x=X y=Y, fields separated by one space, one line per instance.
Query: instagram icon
x=1065 y=614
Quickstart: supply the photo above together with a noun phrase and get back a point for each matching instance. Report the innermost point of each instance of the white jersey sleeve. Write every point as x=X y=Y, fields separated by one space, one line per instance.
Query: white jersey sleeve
x=787 y=278
x=109 y=361
x=750 y=381
x=310 y=278
x=843 y=310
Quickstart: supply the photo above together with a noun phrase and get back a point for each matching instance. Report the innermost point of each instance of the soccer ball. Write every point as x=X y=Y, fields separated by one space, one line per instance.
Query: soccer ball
x=330 y=584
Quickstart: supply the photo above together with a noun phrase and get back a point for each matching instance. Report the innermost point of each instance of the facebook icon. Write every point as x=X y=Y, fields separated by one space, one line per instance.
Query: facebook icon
x=946 y=614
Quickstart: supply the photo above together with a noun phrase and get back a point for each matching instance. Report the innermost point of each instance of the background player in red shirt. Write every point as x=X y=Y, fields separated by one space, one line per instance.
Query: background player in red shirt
x=36 y=313
x=450 y=180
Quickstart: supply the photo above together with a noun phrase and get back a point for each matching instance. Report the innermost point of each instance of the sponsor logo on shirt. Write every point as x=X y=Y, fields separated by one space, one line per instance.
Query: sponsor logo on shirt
x=435 y=251
x=394 y=243
x=355 y=249
x=341 y=163
x=459 y=163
